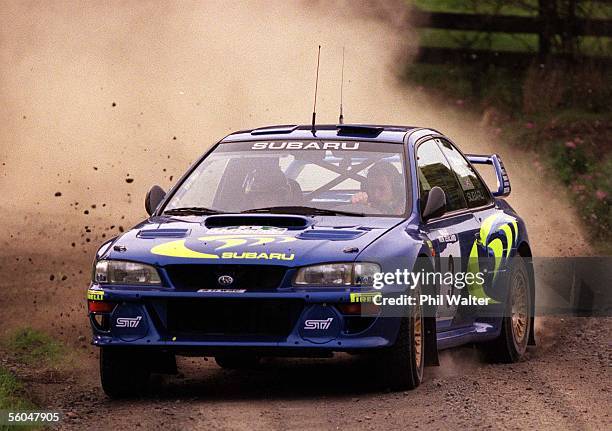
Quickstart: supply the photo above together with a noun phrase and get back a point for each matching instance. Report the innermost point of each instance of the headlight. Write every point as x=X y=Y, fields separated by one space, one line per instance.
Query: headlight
x=337 y=274
x=122 y=272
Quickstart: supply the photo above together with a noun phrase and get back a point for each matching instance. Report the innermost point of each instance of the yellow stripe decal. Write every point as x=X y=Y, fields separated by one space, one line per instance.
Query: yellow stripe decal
x=178 y=249
x=509 y=238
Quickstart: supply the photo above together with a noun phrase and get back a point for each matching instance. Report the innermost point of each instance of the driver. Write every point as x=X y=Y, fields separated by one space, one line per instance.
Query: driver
x=265 y=188
x=383 y=189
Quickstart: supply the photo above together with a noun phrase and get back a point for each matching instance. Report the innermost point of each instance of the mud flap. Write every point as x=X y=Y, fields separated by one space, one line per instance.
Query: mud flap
x=431 y=343
x=531 y=341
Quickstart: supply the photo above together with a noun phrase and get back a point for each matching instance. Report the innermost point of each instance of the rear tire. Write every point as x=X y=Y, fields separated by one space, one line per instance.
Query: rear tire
x=231 y=362
x=511 y=344
x=123 y=372
x=402 y=365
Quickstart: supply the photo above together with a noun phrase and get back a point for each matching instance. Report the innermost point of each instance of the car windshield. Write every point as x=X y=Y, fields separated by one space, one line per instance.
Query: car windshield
x=307 y=177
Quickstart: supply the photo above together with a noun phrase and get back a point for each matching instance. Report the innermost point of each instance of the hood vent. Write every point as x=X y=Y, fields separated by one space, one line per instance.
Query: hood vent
x=163 y=233
x=290 y=222
x=331 y=234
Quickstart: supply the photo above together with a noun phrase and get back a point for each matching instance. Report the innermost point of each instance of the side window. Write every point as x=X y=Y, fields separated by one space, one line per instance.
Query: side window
x=434 y=170
x=476 y=193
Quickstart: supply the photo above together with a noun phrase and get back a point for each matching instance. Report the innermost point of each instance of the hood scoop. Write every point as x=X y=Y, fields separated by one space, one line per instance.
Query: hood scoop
x=331 y=234
x=163 y=233
x=282 y=221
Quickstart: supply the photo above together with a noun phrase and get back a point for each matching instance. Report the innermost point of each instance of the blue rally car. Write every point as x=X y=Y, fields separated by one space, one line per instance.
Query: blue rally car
x=273 y=242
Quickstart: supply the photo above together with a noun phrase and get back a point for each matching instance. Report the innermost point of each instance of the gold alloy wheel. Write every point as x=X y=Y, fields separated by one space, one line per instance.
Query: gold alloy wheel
x=418 y=334
x=520 y=308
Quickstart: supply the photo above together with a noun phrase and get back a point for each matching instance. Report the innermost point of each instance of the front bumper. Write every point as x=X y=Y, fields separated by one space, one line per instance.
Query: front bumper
x=287 y=323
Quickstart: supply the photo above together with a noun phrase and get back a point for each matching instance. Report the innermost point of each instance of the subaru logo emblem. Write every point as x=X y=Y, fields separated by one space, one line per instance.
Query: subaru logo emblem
x=225 y=280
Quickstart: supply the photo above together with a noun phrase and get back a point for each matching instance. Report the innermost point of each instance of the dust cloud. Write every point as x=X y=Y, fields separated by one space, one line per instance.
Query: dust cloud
x=102 y=100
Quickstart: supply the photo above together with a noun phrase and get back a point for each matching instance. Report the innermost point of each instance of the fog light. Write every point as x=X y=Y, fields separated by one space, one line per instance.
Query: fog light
x=352 y=308
x=363 y=308
x=100 y=306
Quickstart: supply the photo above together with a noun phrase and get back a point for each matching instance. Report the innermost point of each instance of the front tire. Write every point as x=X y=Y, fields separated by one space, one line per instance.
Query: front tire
x=123 y=372
x=511 y=344
x=403 y=364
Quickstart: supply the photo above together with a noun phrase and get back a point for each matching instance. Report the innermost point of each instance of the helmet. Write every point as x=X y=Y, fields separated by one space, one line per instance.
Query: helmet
x=384 y=171
x=265 y=187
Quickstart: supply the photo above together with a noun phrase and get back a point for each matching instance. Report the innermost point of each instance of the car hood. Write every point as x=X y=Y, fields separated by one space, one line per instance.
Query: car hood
x=249 y=239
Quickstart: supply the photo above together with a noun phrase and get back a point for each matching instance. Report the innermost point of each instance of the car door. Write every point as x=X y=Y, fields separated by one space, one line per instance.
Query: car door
x=448 y=233
x=480 y=205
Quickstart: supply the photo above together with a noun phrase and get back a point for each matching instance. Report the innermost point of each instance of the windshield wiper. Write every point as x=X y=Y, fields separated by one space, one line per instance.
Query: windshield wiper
x=192 y=211
x=303 y=210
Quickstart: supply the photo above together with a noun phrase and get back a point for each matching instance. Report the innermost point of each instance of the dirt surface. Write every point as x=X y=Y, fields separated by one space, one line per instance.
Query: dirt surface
x=103 y=100
x=563 y=384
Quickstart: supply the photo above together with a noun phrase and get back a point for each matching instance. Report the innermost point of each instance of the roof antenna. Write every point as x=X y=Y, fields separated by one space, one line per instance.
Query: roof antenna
x=341 y=118
x=314 y=107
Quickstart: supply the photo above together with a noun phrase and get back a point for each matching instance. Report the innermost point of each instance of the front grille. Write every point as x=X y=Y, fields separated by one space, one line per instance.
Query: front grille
x=249 y=277
x=233 y=317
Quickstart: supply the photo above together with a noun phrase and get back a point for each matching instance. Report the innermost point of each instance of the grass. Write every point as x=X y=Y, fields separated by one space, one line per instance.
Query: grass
x=592 y=9
x=12 y=393
x=469 y=83
x=12 y=398
x=463 y=6
x=440 y=38
x=501 y=41
x=31 y=346
x=498 y=41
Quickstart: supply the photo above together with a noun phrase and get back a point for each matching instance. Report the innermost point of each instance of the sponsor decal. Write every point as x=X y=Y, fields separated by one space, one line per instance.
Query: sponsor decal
x=128 y=322
x=446 y=236
x=318 y=323
x=492 y=231
x=230 y=241
x=364 y=297
x=248 y=230
x=313 y=145
x=254 y=255
x=466 y=182
x=221 y=290
x=222 y=242
x=95 y=295
x=475 y=195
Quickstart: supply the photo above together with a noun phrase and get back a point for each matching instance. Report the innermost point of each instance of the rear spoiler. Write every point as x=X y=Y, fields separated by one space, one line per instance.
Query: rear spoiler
x=503 y=183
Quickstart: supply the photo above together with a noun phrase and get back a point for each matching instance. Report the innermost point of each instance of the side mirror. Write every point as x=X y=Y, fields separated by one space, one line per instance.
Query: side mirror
x=436 y=204
x=153 y=198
